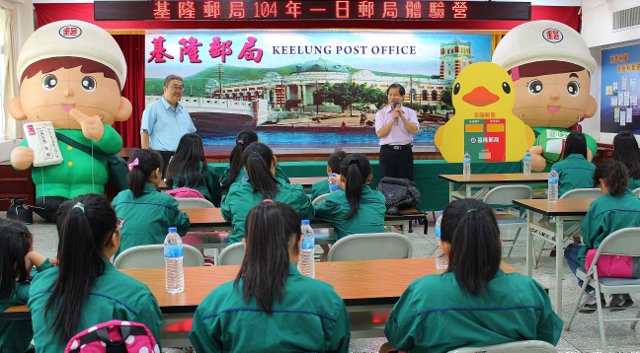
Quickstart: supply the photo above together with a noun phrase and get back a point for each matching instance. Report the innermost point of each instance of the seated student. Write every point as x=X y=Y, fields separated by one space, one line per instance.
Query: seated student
x=235 y=171
x=147 y=213
x=85 y=289
x=260 y=165
x=618 y=208
x=357 y=209
x=188 y=168
x=333 y=166
x=625 y=150
x=574 y=171
x=474 y=303
x=271 y=307
x=17 y=258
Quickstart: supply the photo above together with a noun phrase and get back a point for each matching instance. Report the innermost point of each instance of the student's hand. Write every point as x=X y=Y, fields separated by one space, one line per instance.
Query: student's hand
x=21 y=157
x=92 y=126
x=53 y=260
x=33 y=258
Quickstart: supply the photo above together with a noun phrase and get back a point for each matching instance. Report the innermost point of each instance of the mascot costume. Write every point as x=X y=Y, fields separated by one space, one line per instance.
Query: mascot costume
x=551 y=67
x=71 y=74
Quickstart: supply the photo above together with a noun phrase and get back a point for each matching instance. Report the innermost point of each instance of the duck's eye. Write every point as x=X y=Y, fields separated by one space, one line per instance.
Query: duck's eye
x=573 y=88
x=535 y=87
x=89 y=84
x=506 y=87
x=49 y=82
x=456 y=88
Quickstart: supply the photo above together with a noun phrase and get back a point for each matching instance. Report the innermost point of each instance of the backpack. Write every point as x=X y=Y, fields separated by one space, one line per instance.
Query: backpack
x=114 y=336
x=399 y=193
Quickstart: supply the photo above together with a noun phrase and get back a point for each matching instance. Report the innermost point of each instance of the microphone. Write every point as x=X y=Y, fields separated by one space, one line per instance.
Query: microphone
x=395 y=105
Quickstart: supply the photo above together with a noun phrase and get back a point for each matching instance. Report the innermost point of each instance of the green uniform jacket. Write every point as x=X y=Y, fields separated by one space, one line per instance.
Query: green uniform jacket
x=242 y=197
x=113 y=296
x=147 y=218
x=552 y=148
x=574 y=172
x=310 y=318
x=15 y=335
x=434 y=314
x=211 y=189
x=225 y=176
x=79 y=173
x=320 y=188
x=607 y=214
x=368 y=219
x=633 y=184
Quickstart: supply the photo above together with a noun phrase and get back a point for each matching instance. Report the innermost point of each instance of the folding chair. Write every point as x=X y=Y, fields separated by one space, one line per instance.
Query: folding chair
x=636 y=192
x=152 y=256
x=371 y=246
x=623 y=242
x=193 y=202
x=532 y=346
x=502 y=196
x=231 y=255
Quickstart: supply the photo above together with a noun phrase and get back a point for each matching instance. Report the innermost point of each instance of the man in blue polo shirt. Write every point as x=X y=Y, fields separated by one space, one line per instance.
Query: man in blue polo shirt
x=165 y=121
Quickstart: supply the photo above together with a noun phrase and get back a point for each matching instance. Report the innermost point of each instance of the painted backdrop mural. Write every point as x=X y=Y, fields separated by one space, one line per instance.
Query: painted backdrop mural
x=309 y=87
x=620 y=84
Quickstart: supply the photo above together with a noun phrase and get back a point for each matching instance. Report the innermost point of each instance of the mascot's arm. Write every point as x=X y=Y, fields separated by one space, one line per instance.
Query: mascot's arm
x=592 y=147
x=92 y=126
x=21 y=157
x=111 y=142
x=538 y=162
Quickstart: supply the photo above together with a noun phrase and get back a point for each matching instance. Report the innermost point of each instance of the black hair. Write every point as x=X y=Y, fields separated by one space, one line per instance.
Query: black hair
x=188 y=164
x=335 y=159
x=257 y=159
x=15 y=243
x=85 y=226
x=355 y=169
x=614 y=174
x=470 y=227
x=396 y=85
x=168 y=79
x=575 y=143
x=265 y=267
x=243 y=140
x=625 y=150
x=148 y=161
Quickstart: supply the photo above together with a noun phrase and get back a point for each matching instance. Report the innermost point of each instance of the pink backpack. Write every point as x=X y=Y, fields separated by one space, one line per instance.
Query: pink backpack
x=114 y=336
x=184 y=192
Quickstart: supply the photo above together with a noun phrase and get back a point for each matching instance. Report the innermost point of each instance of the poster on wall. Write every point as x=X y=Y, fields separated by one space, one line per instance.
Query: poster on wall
x=619 y=96
x=309 y=88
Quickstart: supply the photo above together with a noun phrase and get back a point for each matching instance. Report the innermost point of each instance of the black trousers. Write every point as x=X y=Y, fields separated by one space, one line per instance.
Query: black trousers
x=396 y=161
x=166 y=157
x=47 y=207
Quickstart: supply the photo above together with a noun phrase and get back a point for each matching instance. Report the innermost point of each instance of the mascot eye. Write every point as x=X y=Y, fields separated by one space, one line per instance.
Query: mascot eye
x=535 y=87
x=49 y=82
x=573 y=88
x=506 y=88
x=89 y=84
x=456 y=88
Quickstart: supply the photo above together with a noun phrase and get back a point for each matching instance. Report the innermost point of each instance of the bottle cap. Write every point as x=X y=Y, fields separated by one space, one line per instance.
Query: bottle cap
x=334 y=175
x=441 y=211
x=305 y=222
x=173 y=229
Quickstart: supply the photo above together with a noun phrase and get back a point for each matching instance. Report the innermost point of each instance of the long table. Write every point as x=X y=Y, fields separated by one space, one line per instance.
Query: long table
x=369 y=289
x=562 y=210
x=306 y=182
x=485 y=181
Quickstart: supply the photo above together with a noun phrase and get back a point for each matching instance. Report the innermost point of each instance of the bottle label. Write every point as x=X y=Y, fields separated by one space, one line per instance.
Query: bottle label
x=308 y=243
x=553 y=180
x=173 y=250
x=438 y=232
x=333 y=187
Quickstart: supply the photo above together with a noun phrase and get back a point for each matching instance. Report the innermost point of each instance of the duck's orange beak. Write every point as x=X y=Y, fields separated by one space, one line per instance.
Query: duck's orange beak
x=480 y=97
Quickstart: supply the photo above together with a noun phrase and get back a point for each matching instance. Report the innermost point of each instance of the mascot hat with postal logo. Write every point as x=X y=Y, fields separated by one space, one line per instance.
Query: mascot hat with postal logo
x=542 y=41
x=73 y=38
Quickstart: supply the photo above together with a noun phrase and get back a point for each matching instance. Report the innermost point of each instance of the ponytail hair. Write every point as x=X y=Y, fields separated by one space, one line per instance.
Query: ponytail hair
x=15 y=243
x=272 y=227
x=85 y=226
x=625 y=150
x=140 y=171
x=614 y=174
x=470 y=227
x=355 y=169
x=243 y=140
x=575 y=143
x=189 y=162
x=257 y=159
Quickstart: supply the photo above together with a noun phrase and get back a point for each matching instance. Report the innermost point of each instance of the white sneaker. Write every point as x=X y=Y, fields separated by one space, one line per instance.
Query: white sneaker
x=589 y=304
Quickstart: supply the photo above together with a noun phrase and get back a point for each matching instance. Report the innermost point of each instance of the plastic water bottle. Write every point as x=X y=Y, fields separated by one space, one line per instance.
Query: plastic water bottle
x=552 y=193
x=466 y=166
x=173 y=256
x=526 y=164
x=306 y=260
x=333 y=183
x=442 y=263
x=245 y=178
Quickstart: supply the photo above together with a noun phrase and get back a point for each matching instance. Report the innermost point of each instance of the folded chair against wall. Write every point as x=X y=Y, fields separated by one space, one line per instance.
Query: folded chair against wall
x=152 y=256
x=532 y=346
x=501 y=197
x=231 y=255
x=193 y=202
x=371 y=246
x=623 y=242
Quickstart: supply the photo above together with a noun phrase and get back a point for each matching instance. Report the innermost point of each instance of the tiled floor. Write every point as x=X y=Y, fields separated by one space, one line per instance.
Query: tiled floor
x=583 y=337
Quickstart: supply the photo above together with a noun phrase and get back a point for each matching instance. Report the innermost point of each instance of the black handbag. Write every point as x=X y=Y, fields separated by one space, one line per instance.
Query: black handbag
x=20 y=212
x=399 y=193
x=118 y=169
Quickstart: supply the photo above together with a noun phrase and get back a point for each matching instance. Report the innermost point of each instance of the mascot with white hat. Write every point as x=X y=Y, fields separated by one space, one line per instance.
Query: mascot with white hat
x=551 y=67
x=71 y=75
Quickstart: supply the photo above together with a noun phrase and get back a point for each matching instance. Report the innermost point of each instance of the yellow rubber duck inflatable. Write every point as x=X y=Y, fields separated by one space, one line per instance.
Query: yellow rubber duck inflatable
x=483 y=124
